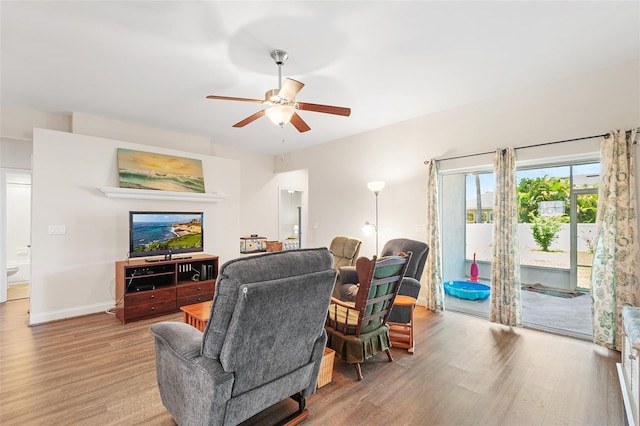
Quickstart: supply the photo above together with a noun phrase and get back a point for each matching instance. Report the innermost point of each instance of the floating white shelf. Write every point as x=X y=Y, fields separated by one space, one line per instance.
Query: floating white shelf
x=150 y=194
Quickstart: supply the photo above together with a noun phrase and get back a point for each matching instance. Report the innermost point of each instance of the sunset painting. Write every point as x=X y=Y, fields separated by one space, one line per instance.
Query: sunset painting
x=147 y=170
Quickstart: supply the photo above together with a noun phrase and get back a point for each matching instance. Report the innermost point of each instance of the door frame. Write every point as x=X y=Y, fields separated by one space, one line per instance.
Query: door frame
x=4 y=172
x=573 y=234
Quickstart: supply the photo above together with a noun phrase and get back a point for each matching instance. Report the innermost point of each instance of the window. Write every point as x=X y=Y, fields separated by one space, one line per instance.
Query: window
x=544 y=213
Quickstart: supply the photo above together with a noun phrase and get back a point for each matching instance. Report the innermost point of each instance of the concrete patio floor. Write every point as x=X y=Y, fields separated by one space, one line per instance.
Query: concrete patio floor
x=567 y=316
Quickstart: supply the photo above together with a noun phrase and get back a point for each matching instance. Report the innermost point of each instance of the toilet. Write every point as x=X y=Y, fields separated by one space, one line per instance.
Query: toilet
x=12 y=270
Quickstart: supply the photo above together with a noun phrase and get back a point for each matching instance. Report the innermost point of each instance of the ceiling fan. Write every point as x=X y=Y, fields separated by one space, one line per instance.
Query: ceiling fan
x=281 y=103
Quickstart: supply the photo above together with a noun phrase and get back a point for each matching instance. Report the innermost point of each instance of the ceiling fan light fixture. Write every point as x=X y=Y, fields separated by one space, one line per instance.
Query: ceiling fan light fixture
x=280 y=104
x=271 y=96
x=280 y=114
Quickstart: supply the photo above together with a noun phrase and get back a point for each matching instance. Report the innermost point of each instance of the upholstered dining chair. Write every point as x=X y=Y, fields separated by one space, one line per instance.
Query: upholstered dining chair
x=345 y=252
x=357 y=331
x=263 y=343
x=410 y=283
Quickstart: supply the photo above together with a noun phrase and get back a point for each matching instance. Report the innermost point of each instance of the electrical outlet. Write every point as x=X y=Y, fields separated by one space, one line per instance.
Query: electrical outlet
x=57 y=230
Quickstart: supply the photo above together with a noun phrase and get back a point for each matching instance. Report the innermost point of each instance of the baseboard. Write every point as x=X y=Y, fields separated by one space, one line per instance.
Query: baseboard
x=40 y=318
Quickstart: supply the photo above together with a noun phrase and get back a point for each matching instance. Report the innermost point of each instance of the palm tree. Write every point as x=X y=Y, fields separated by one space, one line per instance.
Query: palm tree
x=478 y=200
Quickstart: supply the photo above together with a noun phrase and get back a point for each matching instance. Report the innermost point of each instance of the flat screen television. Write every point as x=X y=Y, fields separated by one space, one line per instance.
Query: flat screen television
x=163 y=233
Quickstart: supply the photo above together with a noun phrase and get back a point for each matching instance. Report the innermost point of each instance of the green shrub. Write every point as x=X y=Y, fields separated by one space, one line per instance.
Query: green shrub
x=545 y=230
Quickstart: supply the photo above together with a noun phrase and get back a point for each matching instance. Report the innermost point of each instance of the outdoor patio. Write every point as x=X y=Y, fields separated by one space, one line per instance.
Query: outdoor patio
x=569 y=316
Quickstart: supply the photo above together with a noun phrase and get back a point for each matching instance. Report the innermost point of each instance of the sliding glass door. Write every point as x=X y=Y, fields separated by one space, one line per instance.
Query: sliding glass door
x=557 y=207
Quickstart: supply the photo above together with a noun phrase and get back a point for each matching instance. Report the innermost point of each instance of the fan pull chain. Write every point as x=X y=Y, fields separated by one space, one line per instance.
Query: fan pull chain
x=282 y=155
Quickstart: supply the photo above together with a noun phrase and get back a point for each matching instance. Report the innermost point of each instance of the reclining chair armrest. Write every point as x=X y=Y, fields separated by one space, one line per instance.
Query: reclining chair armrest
x=347 y=283
x=184 y=340
x=194 y=389
x=410 y=287
x=347 y=275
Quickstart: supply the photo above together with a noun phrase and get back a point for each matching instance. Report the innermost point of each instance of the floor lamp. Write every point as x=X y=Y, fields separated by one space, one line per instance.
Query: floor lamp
x=374 y=187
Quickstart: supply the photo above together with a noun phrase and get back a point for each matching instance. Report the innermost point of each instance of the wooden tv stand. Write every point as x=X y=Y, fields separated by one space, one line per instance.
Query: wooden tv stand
x=149 y=288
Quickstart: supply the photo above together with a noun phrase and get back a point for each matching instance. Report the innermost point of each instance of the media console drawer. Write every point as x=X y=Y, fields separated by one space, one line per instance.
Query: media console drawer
x=188 y=294
x=203 y=287
x=150 y=296
x=147 y=310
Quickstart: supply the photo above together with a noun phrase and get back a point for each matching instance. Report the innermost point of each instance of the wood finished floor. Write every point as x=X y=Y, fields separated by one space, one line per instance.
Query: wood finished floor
x=466 y=371
x=18 y=291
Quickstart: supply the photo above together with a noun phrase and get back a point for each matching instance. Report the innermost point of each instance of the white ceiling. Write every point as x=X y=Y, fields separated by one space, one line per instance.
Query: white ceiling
x=153 y=63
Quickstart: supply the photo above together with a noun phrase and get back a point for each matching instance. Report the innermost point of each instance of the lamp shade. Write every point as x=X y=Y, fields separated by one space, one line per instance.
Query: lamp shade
x=376 y=186
x=368 y=228
x=280 y=114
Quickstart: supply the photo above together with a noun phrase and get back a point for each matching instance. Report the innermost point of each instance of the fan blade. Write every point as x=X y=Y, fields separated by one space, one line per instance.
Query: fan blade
x=327 y=109
x=299 y=123
x=290 y=89
x=249 y=119
x=229 y=98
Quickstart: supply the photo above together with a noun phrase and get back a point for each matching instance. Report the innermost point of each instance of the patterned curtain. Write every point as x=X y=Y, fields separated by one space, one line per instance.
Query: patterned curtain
x=506 y=299
x=614 y=279
x=432 y=276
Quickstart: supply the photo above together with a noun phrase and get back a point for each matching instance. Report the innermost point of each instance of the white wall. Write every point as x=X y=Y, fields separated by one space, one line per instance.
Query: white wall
x=15 y=153
x=591 y=104
x=18 y=123
x=73 y=273
x=259 y=185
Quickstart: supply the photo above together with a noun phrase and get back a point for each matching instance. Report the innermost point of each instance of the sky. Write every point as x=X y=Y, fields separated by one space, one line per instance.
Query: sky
x=486 y=179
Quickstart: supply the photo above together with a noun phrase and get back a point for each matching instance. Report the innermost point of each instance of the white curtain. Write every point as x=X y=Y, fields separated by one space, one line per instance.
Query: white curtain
x=506 y=298
x=614 y=276
x=432 y=276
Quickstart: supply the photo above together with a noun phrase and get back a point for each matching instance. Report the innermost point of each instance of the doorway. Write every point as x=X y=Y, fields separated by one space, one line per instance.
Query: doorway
x=290 y=218
x=17 y=231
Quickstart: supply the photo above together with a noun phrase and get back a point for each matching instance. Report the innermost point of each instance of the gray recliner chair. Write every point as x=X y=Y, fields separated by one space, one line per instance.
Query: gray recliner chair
x=410 y=283
x=263 y=343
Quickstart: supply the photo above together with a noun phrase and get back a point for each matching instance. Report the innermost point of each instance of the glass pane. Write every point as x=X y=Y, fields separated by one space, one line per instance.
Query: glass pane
x=586 y=175
x=543 y=215
x=584 y=277
x=479 y=211
x=586 y=205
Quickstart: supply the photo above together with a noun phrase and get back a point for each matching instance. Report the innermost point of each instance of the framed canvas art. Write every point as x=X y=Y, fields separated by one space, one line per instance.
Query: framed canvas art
x=148 y=170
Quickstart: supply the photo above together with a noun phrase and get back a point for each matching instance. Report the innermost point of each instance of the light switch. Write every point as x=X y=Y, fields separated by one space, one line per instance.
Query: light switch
x=57 y=230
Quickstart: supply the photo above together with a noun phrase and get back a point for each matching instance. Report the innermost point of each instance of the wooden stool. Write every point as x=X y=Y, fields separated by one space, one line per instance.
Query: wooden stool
x=197 y=314
x=401 y=334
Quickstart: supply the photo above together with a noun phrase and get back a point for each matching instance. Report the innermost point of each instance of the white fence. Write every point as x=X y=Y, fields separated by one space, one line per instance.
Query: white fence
x=480 y=236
